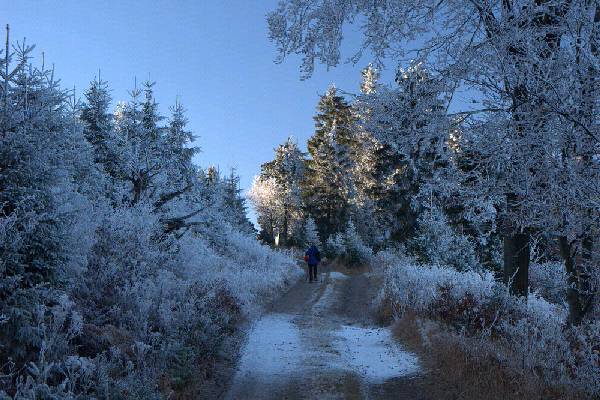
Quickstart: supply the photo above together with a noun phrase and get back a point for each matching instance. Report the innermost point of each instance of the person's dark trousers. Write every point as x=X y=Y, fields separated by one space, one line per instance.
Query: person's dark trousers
x=312 y=272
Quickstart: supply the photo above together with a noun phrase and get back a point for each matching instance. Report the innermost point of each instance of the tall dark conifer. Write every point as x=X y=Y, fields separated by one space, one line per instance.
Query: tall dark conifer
x=328 y=185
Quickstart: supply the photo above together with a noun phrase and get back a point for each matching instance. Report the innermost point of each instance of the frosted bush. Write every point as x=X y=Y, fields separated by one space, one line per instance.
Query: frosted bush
x=349 y=247
x=527 y=335
x=357 y=252
x=549 y=279
x=438 y=243
x=170 y=308
x=253 y=272
x=418 y=286
x=335 y=246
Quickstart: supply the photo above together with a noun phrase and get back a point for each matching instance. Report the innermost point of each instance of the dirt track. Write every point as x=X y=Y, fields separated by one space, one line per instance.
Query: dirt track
x=320 y=341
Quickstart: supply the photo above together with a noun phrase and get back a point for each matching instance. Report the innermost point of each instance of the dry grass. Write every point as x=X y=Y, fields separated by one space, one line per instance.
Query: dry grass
x=454 y=374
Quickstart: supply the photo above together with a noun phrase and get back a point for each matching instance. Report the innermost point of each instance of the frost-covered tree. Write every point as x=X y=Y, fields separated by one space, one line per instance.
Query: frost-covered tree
x=234 y=204
x=528 y=66
x=348 y=246
x=311 y=233
x=370 y=78
x=379 y=196
x=288 y=169
x=180 y=151
x=42 y=201
x=266 y=199
x=356 y=252
x=436 y=242
x=97 y=120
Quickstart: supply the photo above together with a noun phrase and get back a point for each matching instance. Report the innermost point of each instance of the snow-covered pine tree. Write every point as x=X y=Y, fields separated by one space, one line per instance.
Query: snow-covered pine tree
x=177 y=180
x=410 y=122
x=377 y=172
x=436 y=242
x=357 y=252
x=40 y=203
x=97 y=120
x=179 y=149
x=141 y=137
x=311 y=233
x=370 y=78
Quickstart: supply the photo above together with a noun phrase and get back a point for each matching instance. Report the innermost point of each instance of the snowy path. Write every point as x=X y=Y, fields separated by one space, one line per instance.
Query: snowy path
x=319 y=342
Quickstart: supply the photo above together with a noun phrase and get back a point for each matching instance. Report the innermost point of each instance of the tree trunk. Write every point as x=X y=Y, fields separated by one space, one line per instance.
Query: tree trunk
x=577 y=280
x=516 y=263
x=566 y=251
x=283 y=239
x=516 y=250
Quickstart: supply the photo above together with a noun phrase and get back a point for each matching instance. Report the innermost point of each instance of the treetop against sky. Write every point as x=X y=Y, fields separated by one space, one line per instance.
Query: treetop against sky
x=214 y=56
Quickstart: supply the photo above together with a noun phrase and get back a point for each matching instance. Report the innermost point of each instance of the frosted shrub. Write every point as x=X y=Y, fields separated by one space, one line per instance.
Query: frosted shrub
x=335 y=246
x=122 y=259
x=357 y=252
x=437 y=242
x=252 y=271
x=348 y=247
x=525 y=335
x=419 y=287
x=549 y=279
x=168 y=310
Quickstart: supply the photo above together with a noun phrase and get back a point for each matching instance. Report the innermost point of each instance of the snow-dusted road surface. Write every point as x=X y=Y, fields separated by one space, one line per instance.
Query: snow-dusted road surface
x=320 y=342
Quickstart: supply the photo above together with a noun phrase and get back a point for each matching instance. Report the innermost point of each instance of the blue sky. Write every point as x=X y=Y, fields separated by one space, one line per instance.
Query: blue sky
x=214 y=55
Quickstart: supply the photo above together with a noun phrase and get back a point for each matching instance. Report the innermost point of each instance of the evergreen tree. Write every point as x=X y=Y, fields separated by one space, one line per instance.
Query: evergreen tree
x=370 y=78
x=311 y=233
x=328 y=185
x=179 y=150
x=234 y=204
x=40 y=201
x=142 y=140
x=97 y=121
x=376 y=176
x=411 y=124
x=178 y=177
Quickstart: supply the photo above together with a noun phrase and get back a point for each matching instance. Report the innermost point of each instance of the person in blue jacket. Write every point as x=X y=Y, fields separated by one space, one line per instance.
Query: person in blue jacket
x=312 y=258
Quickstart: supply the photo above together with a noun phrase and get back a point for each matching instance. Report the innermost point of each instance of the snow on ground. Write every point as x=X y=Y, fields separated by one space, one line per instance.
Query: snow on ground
x=305 y=348
x=337 y=275
x=373 y=354
x=273 y=348
x=324 y=302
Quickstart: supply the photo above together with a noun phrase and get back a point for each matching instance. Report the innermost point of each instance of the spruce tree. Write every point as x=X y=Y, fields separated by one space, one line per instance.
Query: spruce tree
x=142 y=140
x=234 y=204
x=375 y=175
x=179 y=175
x=40 y=201
x=328 y=184
x=411 y=125
x=97 y=121
x=311 y=233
